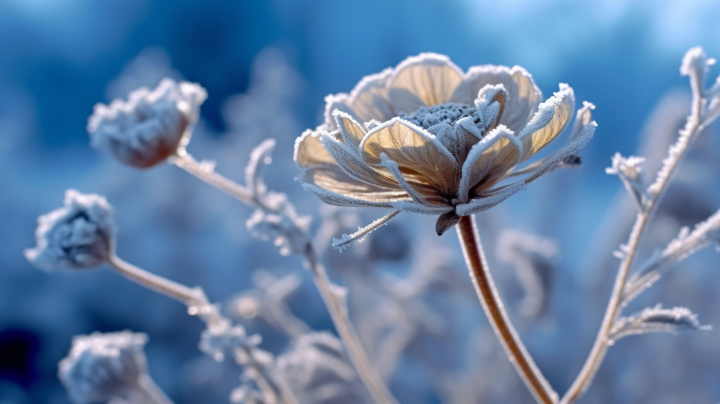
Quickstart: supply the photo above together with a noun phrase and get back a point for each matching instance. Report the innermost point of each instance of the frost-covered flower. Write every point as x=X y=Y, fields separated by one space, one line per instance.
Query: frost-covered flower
x=100 y=366
x=80 y=235
x=150 y=126
x=426 y=137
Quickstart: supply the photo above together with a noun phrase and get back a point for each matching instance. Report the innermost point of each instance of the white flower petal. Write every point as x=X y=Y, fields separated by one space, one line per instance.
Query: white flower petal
x=426 y=80
x=415 y=194
x=548 y=122
x=419 y=154
x=351 y=163
x=369 y=99
x=411 y=206
x=491 y=198
x=523 y=94
x=333 y=102
x=352 y=133
x=490 y=157
x=335 y=187
x=309 y=150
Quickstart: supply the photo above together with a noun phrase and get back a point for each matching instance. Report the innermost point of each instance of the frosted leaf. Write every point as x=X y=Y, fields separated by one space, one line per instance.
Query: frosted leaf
x=150 y=126
x=687 y=243
x=656 y=319
x=102 y=366
x=532 y=257
x=360 y=234
x=80 y=235
x=259 y=157
x=285 y=229
x=318 y=371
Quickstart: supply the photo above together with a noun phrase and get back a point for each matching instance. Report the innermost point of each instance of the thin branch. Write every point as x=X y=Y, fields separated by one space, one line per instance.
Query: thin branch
x=492 y=304
x=655 y=194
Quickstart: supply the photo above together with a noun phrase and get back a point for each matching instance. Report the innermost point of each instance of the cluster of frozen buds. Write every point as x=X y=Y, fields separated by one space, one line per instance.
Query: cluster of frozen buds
x=426 y=137
x=80 y=235
x=150 y=126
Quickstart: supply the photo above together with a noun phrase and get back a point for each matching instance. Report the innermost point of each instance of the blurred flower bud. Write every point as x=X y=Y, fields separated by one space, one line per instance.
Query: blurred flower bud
x=151 y=126
x=80 y=235
x=100 y=366
x=285 y=228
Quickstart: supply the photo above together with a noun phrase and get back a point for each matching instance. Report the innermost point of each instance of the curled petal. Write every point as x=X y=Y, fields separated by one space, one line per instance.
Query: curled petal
x=309 y=150
x=548 y=122
x=583 y=117
x=415 y=194
x=335 y=187
x=491 y=157
x=426 y=80
x=523 y=94
x=350 y=163
x=339 y=102
x=492 y=100
x=369 y=99
x=419 y=155
x=489 y=199
x=414 y=207
x=352 y=133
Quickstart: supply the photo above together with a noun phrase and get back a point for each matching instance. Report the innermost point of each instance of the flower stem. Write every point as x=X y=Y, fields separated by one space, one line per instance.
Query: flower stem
x=334 y=298
x=491 y=303
x=235 y=190
x=601 y=344
x=151 y=393
x=164 y=286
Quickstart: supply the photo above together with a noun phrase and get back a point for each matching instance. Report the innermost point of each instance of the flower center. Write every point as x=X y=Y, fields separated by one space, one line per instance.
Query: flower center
x=449 y=113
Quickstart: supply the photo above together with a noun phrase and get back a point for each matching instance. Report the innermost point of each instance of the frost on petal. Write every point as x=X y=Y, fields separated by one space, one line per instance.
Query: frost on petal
x=548 y=122
x=369 y=99
x=351 y=131
x=100 y=367
x=335 y=187
x=488 y=199
x=336 y=102
x=419 y=155
x=309 y=150
x=351 y=164
x=150 y=126
x=523 y=94
x=426 y=80
x=656 y=319
x=80 y=235
x=489 y=159
x=318 y=371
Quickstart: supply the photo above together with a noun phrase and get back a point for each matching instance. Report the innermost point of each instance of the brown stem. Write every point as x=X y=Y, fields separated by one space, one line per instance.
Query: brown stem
x=491 y=303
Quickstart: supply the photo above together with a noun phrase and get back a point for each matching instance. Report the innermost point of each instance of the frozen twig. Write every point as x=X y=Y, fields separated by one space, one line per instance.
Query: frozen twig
x=695 y=65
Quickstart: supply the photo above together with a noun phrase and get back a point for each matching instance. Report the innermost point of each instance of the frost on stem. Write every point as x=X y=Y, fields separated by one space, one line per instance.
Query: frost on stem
x=80 y=235
x=656 y=319
x=687 y=243
x=275 y=219
x=101 y=367
x=628 y=169
x=318 y=371
x=150 y=126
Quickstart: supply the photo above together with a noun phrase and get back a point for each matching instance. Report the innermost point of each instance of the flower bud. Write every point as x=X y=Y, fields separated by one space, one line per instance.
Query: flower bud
x=80 y=235
x=150 y=126
x=101 y=367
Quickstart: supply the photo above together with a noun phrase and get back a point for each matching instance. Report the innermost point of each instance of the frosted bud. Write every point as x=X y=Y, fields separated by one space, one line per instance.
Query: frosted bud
x=80 y=235
x=696 y=62
x=628 y=167
x=150 y=126
x=100 y=366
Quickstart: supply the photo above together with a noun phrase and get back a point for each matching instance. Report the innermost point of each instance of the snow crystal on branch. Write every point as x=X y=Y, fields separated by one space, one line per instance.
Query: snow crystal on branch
x=80 y=235
x=150 y=126
x=628 y=169
x=656 y=319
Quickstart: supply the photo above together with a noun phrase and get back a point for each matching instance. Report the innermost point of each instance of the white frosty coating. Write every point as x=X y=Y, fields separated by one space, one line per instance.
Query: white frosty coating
x=318 y=371
x=221 y=339
x=102 y=366
x=687 y=243
x=286 y=229
x=346 y=239
x=150 y=126
x=628 y=169
x=656 y=319
x=80 y=235
x=696 y=61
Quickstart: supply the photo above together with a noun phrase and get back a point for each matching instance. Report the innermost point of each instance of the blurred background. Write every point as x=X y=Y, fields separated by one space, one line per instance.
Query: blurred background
x=267 y=66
